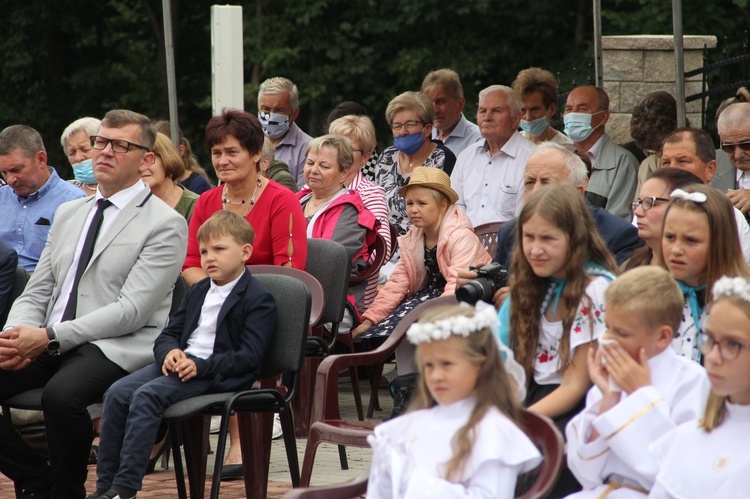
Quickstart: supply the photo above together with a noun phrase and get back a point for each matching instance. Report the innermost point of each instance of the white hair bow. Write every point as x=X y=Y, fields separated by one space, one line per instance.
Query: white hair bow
x=695 y=197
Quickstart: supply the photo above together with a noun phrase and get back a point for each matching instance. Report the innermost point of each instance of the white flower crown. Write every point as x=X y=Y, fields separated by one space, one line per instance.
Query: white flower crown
x=459 y=325
x=731 y=286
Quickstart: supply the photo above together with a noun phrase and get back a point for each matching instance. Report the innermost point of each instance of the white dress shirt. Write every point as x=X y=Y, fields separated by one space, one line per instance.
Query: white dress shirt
x=490 y=189
x=201 y=341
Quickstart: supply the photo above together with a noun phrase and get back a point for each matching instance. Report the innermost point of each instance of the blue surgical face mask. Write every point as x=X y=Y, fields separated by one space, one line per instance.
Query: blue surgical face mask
x=84 y=171
x=534 y=127
x=578 y=126
x=409 y=144
x=275 y=125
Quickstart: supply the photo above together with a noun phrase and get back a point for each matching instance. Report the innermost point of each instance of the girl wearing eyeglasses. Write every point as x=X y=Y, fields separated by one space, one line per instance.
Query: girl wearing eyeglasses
x=708 y=457
x=699 y=244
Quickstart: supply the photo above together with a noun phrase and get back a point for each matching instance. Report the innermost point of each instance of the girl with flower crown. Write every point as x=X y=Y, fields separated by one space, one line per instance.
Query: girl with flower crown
x=561 y=269
x=709 y=458
x=699 y=243
x=461 y=436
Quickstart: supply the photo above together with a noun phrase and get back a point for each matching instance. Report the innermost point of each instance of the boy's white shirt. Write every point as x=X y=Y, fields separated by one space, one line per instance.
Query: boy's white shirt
x=677 y=394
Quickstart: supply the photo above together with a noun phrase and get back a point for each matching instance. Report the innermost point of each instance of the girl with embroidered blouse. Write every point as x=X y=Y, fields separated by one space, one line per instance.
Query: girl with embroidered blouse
x=709 y=458
x=461 y=436
x=699 y=243
x=560 y=271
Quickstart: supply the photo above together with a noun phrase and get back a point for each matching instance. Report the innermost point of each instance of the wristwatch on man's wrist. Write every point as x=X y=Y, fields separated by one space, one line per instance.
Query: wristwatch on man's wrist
x=53 y=344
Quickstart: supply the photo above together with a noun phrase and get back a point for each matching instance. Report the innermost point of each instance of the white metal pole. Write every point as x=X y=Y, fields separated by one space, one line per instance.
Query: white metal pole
x=171 y=78
x=679 y=61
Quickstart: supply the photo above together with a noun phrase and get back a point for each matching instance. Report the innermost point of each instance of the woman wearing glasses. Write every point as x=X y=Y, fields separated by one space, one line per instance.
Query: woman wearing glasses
x=163 y=175
x=410 y=117
x=649 y=209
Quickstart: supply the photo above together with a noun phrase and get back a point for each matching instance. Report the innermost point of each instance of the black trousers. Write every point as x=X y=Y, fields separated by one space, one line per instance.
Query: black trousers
x=71 y=382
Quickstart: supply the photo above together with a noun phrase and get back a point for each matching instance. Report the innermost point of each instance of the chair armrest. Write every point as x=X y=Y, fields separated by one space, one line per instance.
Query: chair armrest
x=355 y=488
x=325 y=397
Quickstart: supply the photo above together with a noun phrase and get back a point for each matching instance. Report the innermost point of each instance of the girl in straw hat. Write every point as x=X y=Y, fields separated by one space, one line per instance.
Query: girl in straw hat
x=440 y=242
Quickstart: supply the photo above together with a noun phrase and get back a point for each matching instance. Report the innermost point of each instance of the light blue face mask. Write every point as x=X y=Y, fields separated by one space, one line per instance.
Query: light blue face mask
x=534 y=127
x=578 y=126
x=275 y=125
x=84 y=171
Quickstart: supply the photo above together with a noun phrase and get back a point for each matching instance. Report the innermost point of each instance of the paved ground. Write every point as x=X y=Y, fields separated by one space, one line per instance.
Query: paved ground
x=161 y=484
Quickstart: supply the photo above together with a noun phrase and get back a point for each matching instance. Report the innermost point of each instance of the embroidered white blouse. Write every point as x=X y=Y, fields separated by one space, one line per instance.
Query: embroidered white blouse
x=587 y=326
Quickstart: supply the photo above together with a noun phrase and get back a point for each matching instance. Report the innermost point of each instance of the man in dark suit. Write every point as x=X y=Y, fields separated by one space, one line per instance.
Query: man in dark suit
x=214 y=343
x=98 y=298
x=8 y=264
x=553 y=163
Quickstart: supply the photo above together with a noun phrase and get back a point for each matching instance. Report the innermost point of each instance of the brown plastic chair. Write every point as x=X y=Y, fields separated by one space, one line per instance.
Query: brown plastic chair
x=487 y=234
x=534 y=484
x=327 y=425
x=538 y=482
x=377 y=259
x=394 y=240
x=349 y=490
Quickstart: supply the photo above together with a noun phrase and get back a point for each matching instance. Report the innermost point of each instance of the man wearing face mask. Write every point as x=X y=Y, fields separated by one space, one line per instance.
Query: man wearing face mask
x=33 y=192
x=488 y=176
x=538 y=91
x=278 y=108
x=615 y=170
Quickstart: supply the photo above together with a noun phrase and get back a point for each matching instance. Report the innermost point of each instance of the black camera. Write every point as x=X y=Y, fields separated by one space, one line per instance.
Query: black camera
x=490 y=278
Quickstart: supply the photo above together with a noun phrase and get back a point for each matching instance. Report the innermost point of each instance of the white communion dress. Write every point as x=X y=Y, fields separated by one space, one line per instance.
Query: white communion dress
x=410 y=453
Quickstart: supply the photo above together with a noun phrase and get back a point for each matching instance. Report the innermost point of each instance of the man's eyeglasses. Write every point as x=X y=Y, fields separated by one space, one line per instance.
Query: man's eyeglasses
x=118 y=145
x=408 y=124
x=647 y=203
x=728 y=348
x=730 y=148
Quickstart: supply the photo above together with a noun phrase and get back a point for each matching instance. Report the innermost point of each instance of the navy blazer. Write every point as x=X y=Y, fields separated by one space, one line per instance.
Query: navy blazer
x=620 y=236
x=244 y=327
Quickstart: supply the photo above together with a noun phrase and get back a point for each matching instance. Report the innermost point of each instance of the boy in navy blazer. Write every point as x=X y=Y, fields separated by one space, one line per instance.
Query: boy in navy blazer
x=214 y=343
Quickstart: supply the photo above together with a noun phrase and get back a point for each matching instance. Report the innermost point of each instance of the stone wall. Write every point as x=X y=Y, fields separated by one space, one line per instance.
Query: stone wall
x=634 y=65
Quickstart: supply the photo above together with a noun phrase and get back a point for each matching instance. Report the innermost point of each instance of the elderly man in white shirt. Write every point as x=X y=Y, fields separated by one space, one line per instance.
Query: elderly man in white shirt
x=488 y=175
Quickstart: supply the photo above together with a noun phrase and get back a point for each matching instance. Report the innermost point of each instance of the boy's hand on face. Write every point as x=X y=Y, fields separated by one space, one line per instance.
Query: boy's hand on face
x=597 y=372
x=629 y=374
x=171 y=360
x=186 y=369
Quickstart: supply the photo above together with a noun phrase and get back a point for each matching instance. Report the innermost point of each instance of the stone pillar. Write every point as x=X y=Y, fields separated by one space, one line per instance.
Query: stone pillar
x=635 y=65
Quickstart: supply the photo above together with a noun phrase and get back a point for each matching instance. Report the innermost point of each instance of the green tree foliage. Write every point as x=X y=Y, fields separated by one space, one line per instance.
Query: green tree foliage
x=71 y=58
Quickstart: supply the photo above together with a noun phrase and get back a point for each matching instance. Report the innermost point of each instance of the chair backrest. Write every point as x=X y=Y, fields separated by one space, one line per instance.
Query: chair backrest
x=313 y=285
x=487 y=234
x=326 y=399
x=545 y=435
x=287 y=348
x=377 y=259
x=20 y=278
x=178 y=293
x=394 y=239
x=329 y=263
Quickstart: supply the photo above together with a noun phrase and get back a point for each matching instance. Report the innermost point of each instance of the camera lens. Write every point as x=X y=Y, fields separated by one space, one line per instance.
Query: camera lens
x=480 y=288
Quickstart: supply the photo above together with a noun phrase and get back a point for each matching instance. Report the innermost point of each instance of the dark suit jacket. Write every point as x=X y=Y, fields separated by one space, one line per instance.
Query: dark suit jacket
x=244 y=327
x=620 y=236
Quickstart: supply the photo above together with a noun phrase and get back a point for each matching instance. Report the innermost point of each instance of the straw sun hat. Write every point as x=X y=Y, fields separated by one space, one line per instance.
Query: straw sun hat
x=432 y=178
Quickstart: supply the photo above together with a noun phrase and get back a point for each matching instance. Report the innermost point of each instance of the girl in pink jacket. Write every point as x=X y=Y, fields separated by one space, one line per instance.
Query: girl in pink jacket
x=440 y=242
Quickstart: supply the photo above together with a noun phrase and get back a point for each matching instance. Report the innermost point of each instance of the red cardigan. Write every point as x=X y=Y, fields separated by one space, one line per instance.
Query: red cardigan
x=276 y=218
